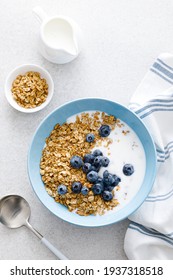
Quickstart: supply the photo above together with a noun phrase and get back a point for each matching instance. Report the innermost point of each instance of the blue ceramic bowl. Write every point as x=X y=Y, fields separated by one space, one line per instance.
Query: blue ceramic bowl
x=59 y=116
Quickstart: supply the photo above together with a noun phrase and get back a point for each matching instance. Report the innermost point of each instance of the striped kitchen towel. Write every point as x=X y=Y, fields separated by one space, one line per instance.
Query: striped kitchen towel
x=150 y=232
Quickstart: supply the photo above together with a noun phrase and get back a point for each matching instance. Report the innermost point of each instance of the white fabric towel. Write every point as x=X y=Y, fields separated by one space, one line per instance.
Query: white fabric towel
x=150 y=232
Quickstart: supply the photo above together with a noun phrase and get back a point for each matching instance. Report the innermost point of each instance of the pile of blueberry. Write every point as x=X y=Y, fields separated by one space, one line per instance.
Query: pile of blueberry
x=91 y=164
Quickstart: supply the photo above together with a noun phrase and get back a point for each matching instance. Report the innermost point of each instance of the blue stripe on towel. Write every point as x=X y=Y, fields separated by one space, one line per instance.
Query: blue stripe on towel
x=165 y=234
x=162 y=69
x=153 y=105
x=162 y=154
x=159 y=197
x=169 y=145
x=160 y=75
x=161 y=61
x=133 y=106
x=146 y=229
x=165 y=154
x=162 y=100
x=164 y=158
x=166 y=148
x=150 y=233
x=151 y=230
x=160 y=160
x=154 y=110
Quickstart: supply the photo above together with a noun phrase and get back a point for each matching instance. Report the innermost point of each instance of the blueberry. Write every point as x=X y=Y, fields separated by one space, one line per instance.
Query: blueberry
x=105 y=161
x=97 y=153
x=108 y=187
x=62 y=189
x=104 y=130
x=92 y=176
x=105 y=174
x=76 y=162
x=97 y=188
x=100 y=181
x=109 y=180
x=87 y=167
x=95 y=168
x=107 y=195
x=117 y=180
x=128 y=169
x=88 y=158
x=76 y=187
x=84 y=190
x=97 y=161
x=90 y=137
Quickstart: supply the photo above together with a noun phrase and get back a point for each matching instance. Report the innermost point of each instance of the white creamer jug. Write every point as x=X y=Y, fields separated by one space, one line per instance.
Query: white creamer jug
x=59 y=38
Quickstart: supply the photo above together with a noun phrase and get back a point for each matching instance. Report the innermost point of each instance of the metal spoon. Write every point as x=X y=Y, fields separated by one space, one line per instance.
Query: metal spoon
x=15 y=213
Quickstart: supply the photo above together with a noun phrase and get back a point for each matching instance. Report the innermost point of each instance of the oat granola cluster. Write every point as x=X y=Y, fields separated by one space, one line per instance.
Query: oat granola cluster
x=29 y=90
x=64 y=142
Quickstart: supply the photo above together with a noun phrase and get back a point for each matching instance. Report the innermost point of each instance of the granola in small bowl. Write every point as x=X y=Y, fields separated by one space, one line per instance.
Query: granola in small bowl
x=29 y=88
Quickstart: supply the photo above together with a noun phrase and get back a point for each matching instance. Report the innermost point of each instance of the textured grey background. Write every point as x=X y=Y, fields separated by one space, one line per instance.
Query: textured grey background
x=121 y=40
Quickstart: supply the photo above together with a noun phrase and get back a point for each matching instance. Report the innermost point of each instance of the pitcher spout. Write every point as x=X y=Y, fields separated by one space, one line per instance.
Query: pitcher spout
x=73 y=50
x=66 y=55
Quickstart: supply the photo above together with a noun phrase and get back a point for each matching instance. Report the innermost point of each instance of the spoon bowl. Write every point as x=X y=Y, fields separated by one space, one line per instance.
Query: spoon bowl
x=14 y=211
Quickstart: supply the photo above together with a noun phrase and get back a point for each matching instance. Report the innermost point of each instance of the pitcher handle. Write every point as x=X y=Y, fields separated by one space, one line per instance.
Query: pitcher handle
x=40 y=13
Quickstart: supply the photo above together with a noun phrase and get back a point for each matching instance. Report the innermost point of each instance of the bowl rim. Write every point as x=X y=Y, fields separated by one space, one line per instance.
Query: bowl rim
x=8 y=93
x=103 y=223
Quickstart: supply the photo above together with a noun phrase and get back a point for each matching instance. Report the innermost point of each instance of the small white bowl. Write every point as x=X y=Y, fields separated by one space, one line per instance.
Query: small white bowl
x=21 y=70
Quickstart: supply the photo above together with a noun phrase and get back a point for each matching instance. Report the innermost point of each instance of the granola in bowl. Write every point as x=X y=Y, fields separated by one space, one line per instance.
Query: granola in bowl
x=66 y=169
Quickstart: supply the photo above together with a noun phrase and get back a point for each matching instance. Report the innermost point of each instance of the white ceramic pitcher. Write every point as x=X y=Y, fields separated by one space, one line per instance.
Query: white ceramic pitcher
x=59 y=37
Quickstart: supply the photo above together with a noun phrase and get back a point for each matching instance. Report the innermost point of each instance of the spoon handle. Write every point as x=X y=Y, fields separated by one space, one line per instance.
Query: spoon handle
x=53 y=249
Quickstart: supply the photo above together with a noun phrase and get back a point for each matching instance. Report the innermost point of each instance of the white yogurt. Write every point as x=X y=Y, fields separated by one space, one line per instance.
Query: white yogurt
x=123 y=149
